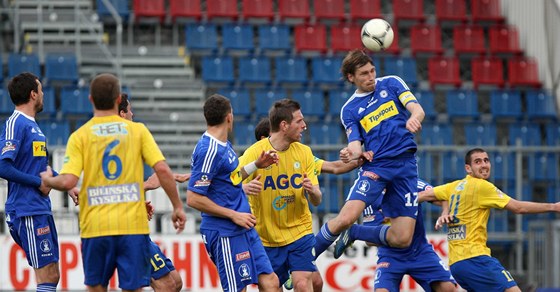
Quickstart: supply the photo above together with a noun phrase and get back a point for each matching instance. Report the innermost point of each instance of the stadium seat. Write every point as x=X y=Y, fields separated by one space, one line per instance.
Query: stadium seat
x=528 y=134
x=444 y=70
x=498 y=221
x=503 y=166
x=201 y=38
x=328 y=133
x=487 y=71
x=552 y=131
x=254 y=10
x=240 y=101
x=451 y=10
x=6 y=105
x=453 y=166
x=1 y=68
x=345 y=38
x=543 y=166
x=426 y=165
x=480 y=134
x=265 y=98
x=504 y=40
x=523 y=72
x=436 y=134
x=293 y=11
x=486 y=10
x=221 y=9
x=217 y=69
x=540 y=105
x=61 y=67
x=412 y=10
x=469 y=39
x=425 y=39
x=121 y=6
x=254 y=70
x=312 y=102
x=237 y=39
x=404 y=67
x=363 y=10
x=426 y=99
x=310 y=38
x=330 y=201
x=185 y=9
x=274 y=38
x=244 y=133
x=49 y=101
x=337 y=98
x=149 y=9
x=19 y=63
x=74 y=101
x=506 y=104
x=394 y=48
x=329 y=10
x=325 y=70
x=291 y=70
x=462 y=104
x=56 y=131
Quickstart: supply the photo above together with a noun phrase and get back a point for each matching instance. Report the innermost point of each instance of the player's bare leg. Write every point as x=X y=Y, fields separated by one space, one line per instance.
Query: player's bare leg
x=349 y=213
x=513 y=289
x=400 y=233
x=317 y=281
x=168 y=282
x=443 y=287
x=48 y=274
x=268 y=282
x=302 y=281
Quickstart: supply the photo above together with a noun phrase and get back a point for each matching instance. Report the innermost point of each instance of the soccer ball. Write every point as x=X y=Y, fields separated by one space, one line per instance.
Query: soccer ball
x=377 y=34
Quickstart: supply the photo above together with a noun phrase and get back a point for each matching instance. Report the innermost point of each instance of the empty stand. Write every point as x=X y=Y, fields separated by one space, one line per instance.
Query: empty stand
x=528 y=134
x=329 y=10
x=436 y=134
x=56 y=131
x=201 y=38
x=543 y=166
x=540 y=105
x=451 y=10
x=61 y=67
x=325 y=70
x=149 y=9
x=221 y=9
x=49 y=101
x=503 y=166
x=425 y=39
x=6 y=105
x=412 y=10
x=523 y=72
x=504 y=40
x=254 y=70
x=363 y=10
x=506 y=104
x=243 y=133
x=312 y=102
x=486 y=10
x=444 y=71
x=487 y=71
x=74 y=100
x=291 y=70
x=185 y=9
x=237 y=38
x=240 y=101
x=311 y=38
x=257 y=10
x=345 y=38
x=552 y=131
x=18 y=63
x=404 y=67
x=394 y=48
x=293 y=11
x=329 y=133
x=480 y=134
x=462 y=104
x=426 y=99
x=217 y=69
x=265 y=98
x=274 y=38
x=469 y=39
x=453 y=166
x=121 y=7
x=337 y=98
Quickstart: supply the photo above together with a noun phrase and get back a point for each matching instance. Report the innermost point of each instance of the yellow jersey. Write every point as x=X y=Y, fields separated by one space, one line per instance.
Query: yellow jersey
x=111 y=152
x=318 y=165
x=470 y=201
x=282 y=208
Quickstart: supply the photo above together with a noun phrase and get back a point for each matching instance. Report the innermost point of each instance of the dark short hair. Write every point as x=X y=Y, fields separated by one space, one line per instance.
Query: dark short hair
x=123 y=106
x=216 y=108
x=262 y=129
x=20 y=87
x=282 y=110
x=468 y=156
x=105 y=89
x=354 y=60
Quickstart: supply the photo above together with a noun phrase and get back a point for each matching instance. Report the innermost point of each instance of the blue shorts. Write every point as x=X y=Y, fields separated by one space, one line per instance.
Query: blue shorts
x=128 y=254
x=161 y=265
x=398 y=176
x=425 y=268
x=37 y=236
x=296 y=256
x=482 y=273
x=240 y=259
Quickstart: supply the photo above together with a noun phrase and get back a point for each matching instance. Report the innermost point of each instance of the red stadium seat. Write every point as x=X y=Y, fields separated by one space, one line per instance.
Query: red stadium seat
x=469 y=39
x=362 y=10
x=504 y=39
x=486 y=10
x=425 y=39
x=454 y=10
x=293 y=10
x=523 y=72
x=150 y=9
x=408 y=10
x=184 y=9
x=444 y=70
x=488 y=71
x=345 y=38
x=257 y=9
x=311 y=38
x=221 y=9
x=329 y=10
x=394 y=48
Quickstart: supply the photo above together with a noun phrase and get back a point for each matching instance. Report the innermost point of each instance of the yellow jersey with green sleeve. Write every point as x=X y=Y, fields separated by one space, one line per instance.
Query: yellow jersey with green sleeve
x=470 y=201
x=318 y=165
x=111 y=151
x=282 y=208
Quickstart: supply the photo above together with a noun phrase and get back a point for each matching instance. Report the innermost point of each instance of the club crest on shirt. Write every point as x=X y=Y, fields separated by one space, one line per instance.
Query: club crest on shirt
x=383 y=94
x=203 y=181
x=297 y=165
x=9 y=146
x=43 y=230
x=242 y=256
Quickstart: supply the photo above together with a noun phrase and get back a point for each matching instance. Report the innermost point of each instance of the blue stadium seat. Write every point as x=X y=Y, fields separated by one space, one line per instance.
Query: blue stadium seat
x=56 y=132
x=240 y=101
x=426 y=165
x=530 y=134
x=480 y=134
x=462 y=104
x=553 y=193
x=265 y=98
x=404 y=67
x=426 y=99
x=329 y=133
x=18 y=63
x=540 y=105
x=121 y=6
x=436 y=134
x=61 y=67
x=244 y=133
x=453 y=166
x=1 y=68
x=506 y=104
x=201 y=39
x=312 y=102
x=543 y=166
x=6 y=105
x=337 y=98
x=503 y=166
x=326 y=70
x=217 y=69
x=237 y=38
x=292 y=70
x=552 y=131
x=75 y=101
x=254 y=70
x=49 y=101
x=331 y=199
x=274 y=38
x=498 y=221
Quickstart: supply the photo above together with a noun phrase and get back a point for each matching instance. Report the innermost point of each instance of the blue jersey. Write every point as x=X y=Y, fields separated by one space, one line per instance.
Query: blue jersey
x=378 y=118
x=216 y=175
x=23 y=143
x=373 y=215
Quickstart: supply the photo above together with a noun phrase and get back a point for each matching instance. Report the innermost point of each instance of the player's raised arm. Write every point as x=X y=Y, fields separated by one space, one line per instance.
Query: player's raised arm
x=204 y=204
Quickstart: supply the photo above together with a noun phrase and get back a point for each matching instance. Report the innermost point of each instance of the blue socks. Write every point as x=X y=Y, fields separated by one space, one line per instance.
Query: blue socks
x=46 y=287
x=323 y=240
x=373 y=234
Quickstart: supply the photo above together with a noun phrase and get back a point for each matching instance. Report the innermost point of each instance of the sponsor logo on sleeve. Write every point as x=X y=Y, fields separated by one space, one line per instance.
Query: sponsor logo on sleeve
x=9 y=146
x=203 y=181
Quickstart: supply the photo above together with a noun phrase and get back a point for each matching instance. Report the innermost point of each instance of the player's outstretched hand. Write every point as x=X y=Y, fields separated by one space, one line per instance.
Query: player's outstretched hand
x=413 y=125
x=443 y=220
x=366 y=156
x=306 y=183
x=150 y=209
x=266 y=159
x=245 y=220
x=152 y=183
x=45 y=175
x=179 y=219
x=345 y=155
x=253 y=187
x=74 y=193
x=181 y=177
